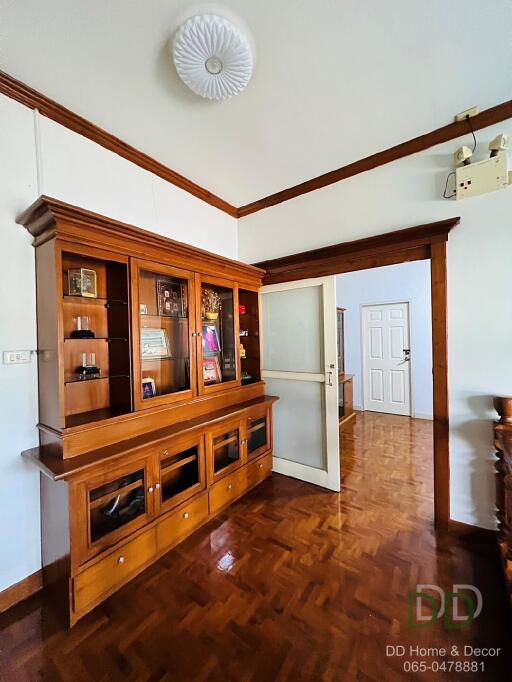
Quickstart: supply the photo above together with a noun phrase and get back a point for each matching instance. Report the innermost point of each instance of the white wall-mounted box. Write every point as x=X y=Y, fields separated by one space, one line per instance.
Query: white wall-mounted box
x=482 y=177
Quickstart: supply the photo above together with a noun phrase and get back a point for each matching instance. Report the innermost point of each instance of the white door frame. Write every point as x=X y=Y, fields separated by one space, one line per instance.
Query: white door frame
x=361 y=322
x=331 y=476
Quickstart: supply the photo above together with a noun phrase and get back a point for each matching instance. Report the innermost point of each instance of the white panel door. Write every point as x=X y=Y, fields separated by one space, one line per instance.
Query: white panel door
x=386 y=358
x=299 y=366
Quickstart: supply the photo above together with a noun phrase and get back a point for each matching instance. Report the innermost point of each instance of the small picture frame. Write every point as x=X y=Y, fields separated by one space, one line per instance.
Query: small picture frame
x=171 y=298
x=210 y=339
x=82 y=282
x=154 y=343
x=211 y=371
x=148 y=388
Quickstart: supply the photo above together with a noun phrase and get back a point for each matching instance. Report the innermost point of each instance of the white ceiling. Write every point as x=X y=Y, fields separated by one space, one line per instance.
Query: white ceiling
x=335 y=80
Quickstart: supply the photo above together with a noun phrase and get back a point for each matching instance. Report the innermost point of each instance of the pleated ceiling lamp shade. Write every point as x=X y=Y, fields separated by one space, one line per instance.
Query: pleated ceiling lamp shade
x=212 y=57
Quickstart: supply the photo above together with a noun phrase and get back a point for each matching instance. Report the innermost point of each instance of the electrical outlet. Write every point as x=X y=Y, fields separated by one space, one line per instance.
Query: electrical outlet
x=16 y=357
x=482 y=177
x=474 y=111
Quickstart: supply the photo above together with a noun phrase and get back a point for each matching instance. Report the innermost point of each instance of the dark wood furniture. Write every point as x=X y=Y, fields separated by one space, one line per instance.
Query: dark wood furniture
x=345 y=381
x=153 y=419
x=346 y=398
x=503 y=444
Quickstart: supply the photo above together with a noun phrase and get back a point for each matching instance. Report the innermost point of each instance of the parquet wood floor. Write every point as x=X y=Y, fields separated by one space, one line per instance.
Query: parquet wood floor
x=290 y=583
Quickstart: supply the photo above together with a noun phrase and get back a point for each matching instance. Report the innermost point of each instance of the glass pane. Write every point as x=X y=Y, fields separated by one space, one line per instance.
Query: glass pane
x=249 y=323
x=299 y=423
x=116 y=503
x=179 y=472
x=164 y=334
x=226 y=449
x=218 y=334
x=293 y=330
x=257 y=436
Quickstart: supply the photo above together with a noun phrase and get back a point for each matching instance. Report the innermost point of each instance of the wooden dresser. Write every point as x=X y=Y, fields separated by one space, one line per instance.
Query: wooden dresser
x=503 y=444
x=152 y=412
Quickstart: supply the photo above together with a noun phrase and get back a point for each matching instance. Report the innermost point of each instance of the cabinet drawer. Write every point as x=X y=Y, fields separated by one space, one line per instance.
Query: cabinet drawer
x=180 y=524
x=112 y=571
x=227 y=490
x=259 y=470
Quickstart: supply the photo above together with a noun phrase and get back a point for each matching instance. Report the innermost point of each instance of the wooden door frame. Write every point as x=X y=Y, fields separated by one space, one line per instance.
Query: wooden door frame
x=423 y=242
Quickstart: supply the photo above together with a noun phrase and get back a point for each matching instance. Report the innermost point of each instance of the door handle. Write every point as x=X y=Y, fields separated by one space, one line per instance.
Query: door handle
x=328 y=378
x=407 y=354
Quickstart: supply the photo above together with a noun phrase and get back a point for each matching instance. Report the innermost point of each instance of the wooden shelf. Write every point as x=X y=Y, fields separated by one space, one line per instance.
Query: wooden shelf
x=76 y=380
x=178 y=464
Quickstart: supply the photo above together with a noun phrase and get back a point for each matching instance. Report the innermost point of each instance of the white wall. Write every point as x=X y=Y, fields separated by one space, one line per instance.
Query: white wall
x=80 y=172
x=402 y=194
x=405 y=282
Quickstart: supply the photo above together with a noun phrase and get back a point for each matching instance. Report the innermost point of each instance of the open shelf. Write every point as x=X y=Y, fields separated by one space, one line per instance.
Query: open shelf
x=92 y=299
x=76 y=380
x=95 y=338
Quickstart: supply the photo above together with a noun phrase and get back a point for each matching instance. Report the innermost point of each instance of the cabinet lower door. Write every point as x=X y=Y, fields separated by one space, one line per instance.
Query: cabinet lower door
x=181 y=471
x=112 y=506
x=259 y=433
x=225 y=449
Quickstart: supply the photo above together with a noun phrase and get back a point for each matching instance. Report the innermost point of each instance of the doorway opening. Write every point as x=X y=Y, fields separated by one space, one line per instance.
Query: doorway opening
x=423 y=242
x=384 y=337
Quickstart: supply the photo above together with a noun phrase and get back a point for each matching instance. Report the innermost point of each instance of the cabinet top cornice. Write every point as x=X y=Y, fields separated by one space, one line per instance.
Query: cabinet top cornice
x=47 y=218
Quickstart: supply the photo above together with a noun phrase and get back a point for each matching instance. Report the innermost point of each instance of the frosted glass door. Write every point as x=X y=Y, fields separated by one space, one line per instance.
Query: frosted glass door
x=299 y=366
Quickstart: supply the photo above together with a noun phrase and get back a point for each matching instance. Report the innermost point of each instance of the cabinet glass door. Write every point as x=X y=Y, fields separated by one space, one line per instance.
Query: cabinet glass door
x=181 y=472
x=116 y=504
x=258 y=435
x=225 y=452
x=219 y=345
x=164 y=309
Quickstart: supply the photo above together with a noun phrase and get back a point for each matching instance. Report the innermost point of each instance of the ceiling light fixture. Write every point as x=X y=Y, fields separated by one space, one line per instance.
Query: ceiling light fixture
x=212 y=56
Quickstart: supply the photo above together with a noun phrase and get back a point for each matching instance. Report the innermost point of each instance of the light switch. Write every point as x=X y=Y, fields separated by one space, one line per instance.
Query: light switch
x=16 y=357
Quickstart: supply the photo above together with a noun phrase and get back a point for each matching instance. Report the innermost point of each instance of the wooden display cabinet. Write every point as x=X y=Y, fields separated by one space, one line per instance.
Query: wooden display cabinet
x=152 y=411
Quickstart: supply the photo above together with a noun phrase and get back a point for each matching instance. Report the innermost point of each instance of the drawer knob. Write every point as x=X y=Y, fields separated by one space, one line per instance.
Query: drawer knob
x=157 y=486
x=150 y=489
x=166 y=452
x=186 y=515
x=261 y=465
x=229 y=486
x=120 y=560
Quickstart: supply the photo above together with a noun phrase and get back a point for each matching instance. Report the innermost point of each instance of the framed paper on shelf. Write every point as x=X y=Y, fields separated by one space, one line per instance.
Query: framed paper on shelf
x=211 y=371
x=148 y=388
x=171 y=298
x=210 y=339
x=154 y=343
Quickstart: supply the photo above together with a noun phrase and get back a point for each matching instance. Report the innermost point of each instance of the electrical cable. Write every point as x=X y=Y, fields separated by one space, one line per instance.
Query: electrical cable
x=448 y=196
x=468 y=119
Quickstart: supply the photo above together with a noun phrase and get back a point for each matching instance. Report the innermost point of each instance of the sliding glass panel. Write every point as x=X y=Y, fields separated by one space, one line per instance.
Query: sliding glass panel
x=116 y=503
x=164 y=334
x=179 y=472
x=218 y=334
x=226 y=449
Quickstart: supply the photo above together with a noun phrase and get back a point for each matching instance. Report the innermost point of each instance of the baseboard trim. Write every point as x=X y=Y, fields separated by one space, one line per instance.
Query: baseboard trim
x=21 y=591
x=423 y=415
x=467 y=530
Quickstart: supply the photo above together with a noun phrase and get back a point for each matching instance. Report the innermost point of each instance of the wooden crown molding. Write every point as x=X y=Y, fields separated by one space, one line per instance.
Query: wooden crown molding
x=486 y=118
x=412 y=243
x=26 y=95
x=15 y=89
x=48 y=217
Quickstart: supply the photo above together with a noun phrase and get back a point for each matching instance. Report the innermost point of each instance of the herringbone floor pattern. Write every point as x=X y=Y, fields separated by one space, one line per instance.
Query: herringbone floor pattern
x=290 y=583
